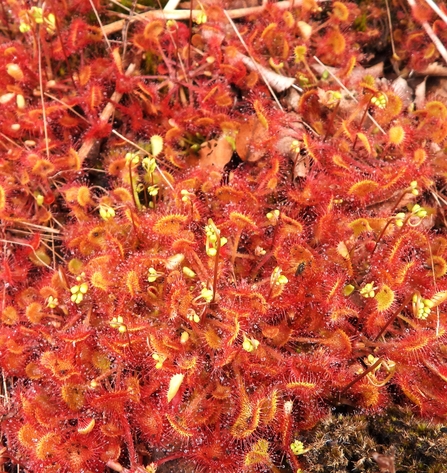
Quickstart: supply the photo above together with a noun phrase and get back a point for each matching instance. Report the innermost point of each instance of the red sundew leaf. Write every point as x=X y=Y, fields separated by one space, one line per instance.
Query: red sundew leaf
x=93 y=97
x=98 y=130
x=135 y=112
x=112 y=429
x=14 y=273
x=111 y=401
x=35 y=241
x=86 y=425
x=77 y=453
x=117 y=347
x=76 y=335
x=80 y=35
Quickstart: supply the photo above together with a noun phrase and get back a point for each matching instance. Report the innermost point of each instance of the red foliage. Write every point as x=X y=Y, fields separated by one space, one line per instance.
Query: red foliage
x=155 y=308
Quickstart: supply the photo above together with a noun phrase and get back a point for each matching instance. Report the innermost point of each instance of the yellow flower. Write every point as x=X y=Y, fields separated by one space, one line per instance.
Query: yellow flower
x=250 y=344
x=78 y=291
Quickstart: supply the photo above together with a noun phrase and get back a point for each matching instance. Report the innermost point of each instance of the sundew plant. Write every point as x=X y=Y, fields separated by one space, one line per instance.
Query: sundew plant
x=219 y=225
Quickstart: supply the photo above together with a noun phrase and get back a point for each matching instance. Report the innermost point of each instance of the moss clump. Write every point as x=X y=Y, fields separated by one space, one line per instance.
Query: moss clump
x=346 y=443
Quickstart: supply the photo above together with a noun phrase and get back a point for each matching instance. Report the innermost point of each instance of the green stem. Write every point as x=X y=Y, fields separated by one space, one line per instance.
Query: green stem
x=136 y=200
x=216 y=268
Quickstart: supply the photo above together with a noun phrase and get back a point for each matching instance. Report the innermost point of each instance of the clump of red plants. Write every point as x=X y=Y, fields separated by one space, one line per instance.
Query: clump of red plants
x=217 y=226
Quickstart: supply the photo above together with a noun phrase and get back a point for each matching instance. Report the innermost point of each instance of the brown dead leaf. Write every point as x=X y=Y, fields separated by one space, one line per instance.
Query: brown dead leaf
x=437 y=90
x=385 y=462
x=357 y=74
x=434 y=69
x=251 y=139
x=215 y=154
x=284 y=145
x=419 y=94
x=403 y=90
x=276 y=81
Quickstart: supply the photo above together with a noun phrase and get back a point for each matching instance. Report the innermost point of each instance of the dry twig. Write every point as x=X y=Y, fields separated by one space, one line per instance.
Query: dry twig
x=184 y=15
